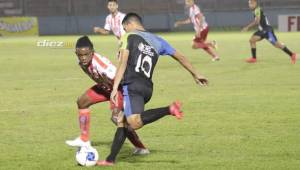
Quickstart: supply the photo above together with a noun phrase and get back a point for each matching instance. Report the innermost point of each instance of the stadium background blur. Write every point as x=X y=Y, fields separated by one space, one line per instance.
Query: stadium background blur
x=79 y=16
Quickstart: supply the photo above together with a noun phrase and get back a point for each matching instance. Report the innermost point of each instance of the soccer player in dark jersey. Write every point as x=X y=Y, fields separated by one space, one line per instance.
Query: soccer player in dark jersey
x=102 y=71
x=139 y=53
x=265 y=31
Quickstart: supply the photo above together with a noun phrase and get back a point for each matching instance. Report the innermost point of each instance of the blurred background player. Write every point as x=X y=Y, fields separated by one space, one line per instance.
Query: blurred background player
x=113 y=21
x=140 y=52
x=197 y=18
x=102 y=71
x=265 y=31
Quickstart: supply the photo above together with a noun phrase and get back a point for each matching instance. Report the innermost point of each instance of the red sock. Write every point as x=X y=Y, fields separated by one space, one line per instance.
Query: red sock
x=84 y=123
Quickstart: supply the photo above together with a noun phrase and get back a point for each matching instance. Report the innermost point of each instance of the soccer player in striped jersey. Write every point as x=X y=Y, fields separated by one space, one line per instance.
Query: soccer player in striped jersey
x=201 y=28
x=139 y=53
x=113 y=21
x=102 y=71
x=265 y=31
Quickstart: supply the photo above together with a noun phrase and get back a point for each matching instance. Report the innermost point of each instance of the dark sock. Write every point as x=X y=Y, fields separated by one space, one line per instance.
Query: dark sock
x=134 y=138
x=286 y=50
x=253 y=51
x=118 y=141
x=152 y=115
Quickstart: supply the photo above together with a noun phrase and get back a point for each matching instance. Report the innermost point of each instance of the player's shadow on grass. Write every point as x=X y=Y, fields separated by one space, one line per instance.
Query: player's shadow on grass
x=126 y=155
x=101 y=143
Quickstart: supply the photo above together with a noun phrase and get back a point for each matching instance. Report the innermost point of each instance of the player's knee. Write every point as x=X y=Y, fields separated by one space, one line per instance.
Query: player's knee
x=252 y=41
x=194 y=46
x=278 y=45
x=134 y=125
x=82 y=104
x=135 y=121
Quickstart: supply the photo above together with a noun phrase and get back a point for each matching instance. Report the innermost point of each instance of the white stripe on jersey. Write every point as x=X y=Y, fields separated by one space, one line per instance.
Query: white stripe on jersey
x=194 y=11
x=102 y=66
x=114 y=24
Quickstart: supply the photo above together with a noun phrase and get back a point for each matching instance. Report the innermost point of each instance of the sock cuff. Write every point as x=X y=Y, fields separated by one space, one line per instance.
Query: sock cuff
x=84 y=111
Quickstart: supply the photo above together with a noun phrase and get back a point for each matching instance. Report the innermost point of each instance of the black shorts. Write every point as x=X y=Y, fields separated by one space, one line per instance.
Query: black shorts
x=135 y=96
x=267 y=34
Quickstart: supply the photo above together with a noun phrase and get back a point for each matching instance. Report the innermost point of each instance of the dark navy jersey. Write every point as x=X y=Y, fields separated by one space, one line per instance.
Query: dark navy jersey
x=144 y=49
x=264 y=22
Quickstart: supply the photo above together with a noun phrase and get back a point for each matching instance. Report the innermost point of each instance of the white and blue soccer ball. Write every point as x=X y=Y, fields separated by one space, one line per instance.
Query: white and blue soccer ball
x=87 y=156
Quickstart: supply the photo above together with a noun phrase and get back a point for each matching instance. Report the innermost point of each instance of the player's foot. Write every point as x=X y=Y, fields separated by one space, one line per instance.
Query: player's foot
x=294 y=58
x=105 y=163
x=141 y=151
x=78 y=143
x=215 y=59
x=214 y=44
x=251 y=60
x=175 y=110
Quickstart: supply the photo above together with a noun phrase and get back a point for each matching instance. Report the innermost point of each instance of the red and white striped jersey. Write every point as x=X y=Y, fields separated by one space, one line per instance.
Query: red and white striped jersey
x=194 y=12
x=114 y=24
x=101 y=70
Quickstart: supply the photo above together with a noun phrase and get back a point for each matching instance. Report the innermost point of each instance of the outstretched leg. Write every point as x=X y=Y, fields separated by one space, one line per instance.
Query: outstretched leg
x=284 y=48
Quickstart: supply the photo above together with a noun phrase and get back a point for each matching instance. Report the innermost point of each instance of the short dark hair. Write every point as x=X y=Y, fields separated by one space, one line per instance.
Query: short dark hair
x=116 y=1
x=84 y=41
x=132 y=17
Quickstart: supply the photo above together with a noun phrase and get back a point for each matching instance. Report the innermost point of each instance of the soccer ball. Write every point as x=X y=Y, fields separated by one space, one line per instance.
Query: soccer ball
x=87 y=156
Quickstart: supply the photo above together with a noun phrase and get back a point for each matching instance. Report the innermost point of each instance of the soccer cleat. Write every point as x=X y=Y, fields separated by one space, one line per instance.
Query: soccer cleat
x=105 y=163
x=175 y=110
x=141 y=151
x=78 y=143
x=294 y=58
x=251 y=60
x=215 y=59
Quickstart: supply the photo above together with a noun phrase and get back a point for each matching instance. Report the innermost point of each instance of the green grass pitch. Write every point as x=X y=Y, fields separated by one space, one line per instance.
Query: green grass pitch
x=248 y=117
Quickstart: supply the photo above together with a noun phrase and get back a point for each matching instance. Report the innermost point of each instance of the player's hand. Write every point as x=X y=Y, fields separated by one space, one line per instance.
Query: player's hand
x=96 y=29
x=114 y=97
x=245 y=29
x=176 y=24
x=99 y=30
x=200 y=80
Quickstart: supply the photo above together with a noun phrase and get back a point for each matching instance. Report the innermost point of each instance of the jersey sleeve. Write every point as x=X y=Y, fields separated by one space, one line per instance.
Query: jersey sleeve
x=107 y=25
x=124 y=42
x=166 y=48
x=257 y=12
x=196 y=10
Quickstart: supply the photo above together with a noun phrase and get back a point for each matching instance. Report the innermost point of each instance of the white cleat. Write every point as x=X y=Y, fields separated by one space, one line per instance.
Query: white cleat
x=141 y=151
x=215 y=59
x=78 y=143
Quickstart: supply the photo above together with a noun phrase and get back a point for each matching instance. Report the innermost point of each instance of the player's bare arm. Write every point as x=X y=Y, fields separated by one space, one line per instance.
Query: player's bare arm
x=101 y=31
x=182 y=22
x=120 y=73
x=252 y=24
x=200 y=80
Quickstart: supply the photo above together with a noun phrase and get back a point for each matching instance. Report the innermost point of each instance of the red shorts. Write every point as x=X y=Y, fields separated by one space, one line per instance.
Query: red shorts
x=98 y=94
x=202 y=36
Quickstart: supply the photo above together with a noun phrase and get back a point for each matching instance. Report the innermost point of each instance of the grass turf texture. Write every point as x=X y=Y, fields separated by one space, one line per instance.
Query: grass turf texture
x=248 y=117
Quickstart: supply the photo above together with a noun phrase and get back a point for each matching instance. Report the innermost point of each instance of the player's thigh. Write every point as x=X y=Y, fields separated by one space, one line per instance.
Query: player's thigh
x=271 y=37
x=133 y=102
x=92 y=96
x=204 y=34
x=257 y=36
